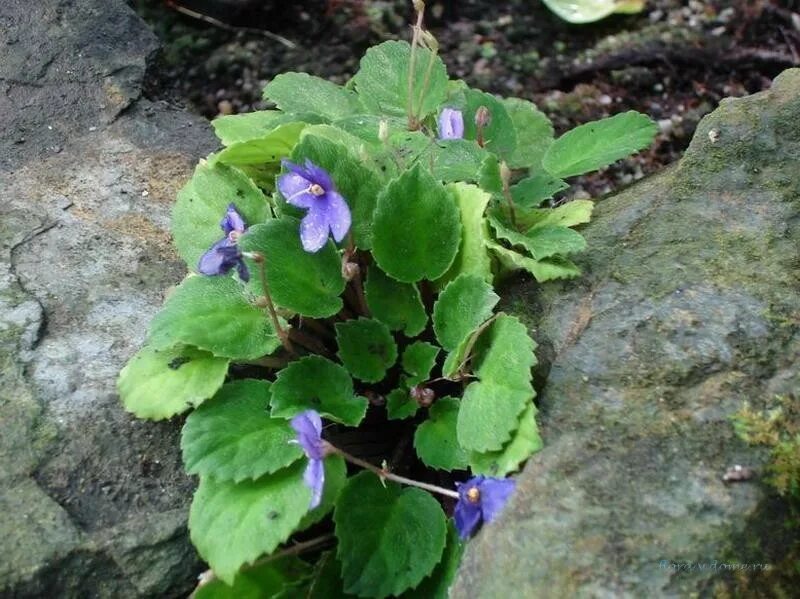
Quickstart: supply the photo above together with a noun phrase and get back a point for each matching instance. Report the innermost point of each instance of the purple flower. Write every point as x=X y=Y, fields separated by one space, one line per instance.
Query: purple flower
x=451 y=124
x=480 y=499
x=225 y=254
x=308 y=426
x=311 y=187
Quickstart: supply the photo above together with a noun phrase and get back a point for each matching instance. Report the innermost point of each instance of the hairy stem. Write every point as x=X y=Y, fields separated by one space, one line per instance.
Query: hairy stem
x=281 y=332
x=411 y=113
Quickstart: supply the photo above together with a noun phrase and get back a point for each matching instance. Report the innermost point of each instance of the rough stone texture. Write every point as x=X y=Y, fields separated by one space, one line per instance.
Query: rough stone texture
x=93 y=503
x=689 y=306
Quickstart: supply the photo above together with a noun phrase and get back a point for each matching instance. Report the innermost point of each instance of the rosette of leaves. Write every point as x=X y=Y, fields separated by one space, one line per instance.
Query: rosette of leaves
x=435 y=223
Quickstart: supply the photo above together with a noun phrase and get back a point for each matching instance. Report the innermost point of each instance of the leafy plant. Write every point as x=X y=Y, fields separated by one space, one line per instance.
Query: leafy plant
x=343 y=250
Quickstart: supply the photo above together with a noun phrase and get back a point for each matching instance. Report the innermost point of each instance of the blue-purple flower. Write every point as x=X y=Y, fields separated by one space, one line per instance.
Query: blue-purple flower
x=311 y=187
x=480 y=499
x=308 y=426
x=225 y=254
x=451 y=124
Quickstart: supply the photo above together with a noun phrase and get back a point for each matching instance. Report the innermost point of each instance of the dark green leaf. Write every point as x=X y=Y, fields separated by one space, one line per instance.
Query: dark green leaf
x=534 y=133
x=525 y=442
x=366 y=348
x=419 y=358
x=400 y=404
x=335 y=478
x=437 y=585
x=263 y=581
x=435 y=439
x=396 y=304
x=532 y=191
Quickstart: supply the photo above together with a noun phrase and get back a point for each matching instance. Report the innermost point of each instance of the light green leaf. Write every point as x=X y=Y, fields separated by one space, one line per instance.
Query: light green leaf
x=234 y=128
x=315 y=383
x=382 y=80
x=599 y=143
x=419 y=358
x=367 y=126
x=335 y=479
x=270 y=148
x=437 y=585
x=416 y=228
x=525 y=442
x=542 y=242
x=233 y=524
x=202 y=204
x=491 y=406
x=259 y=582
x=366 y=348
x=588 y=11
x=453 y=159
x=548 y=269
x=462 y=306
x=214 y=314
x=398 y=305
x=435 y=439
x=307 y=283
x=358 y=184
x=532 y=191
x=159 y=384
x=233 y=438
x=534 y=132
x=570 y=214
x=304 y=93
x=472 y=257
x=400 y=404
x=390 y=537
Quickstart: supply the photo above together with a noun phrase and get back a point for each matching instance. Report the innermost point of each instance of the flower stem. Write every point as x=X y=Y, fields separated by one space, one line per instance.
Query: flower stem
x=412 y=118
x=281 y=332
x=358 y=286
x=505 y=175
x=385 y=474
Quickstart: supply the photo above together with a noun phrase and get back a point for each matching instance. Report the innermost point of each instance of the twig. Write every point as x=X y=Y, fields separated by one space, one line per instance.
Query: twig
x=217 y=23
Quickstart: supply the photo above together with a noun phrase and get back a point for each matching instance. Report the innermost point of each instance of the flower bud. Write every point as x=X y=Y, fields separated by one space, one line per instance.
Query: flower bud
x=262 y=301
x=383 y=131
x=482 y=117
x=424 y=396
x=429 y=41
x=419 y=5
x=350 y=270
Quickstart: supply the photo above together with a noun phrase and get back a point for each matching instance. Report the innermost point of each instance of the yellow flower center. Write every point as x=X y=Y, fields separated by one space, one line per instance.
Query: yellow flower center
x=473 y=495
x=316 y=189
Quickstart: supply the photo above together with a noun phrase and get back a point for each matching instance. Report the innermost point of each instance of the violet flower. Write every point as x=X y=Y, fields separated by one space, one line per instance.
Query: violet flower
x=480 y=499
x=225 y=254
x=308 y=426
x=311 y=187
x=451 y=124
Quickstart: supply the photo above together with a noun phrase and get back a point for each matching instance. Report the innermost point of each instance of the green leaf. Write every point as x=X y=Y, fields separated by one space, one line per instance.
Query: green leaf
x=435 y=439
x=491 y=406
x=214 y=314
x=366 y=348
x=335 y=479
x=437 y=585
x=419 y=358
x=390 y=537
x=532 y=191
x=398 y=305
x=416 y=229
x=234 y=128
x=159 y=384
x=269 y=148
x=462 y=306
x=499 y=135
x=534 y=133
x=233 y=524
x=453 y=159
x=306 y=283
x=202 y=204
x=259 y=582
x=400 y=404
x=570 y=214
x=525 y=442
x=588 y=11
x=489 y=177
x=472 y=257
x=382 y=80
x=599 y=143
x=327 y=580
x=301 y=92
x=233 y=438
x=542 y=242
x=357 y=184
x=315 y=383
x=548 y=269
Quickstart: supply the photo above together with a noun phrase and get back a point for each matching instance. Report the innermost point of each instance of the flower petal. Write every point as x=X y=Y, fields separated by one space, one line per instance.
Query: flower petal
x=451 y=124
x=494 y=495
x=466 y=516
x=294 y=188
x=214 y=261
x=314 y=229
x=308 y=426
x=338 y=213
x=317 y=174
x=314 y=478
x=232 y=221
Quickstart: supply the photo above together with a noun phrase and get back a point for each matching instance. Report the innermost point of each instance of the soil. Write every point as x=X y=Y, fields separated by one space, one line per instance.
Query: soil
x=675 y=61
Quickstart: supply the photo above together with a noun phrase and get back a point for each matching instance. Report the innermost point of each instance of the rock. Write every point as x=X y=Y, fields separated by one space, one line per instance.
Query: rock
x=688 y=307
x=94 y=503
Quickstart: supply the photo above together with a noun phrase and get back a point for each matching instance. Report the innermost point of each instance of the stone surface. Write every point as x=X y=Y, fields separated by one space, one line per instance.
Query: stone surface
x=689 y=306
x=93 y=503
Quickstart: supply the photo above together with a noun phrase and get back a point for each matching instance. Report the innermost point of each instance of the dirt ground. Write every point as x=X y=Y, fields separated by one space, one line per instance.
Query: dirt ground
x=674 y=62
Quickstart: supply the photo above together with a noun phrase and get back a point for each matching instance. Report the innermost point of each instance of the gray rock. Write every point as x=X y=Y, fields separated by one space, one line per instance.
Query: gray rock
x=93 y=503
x=688 y=307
